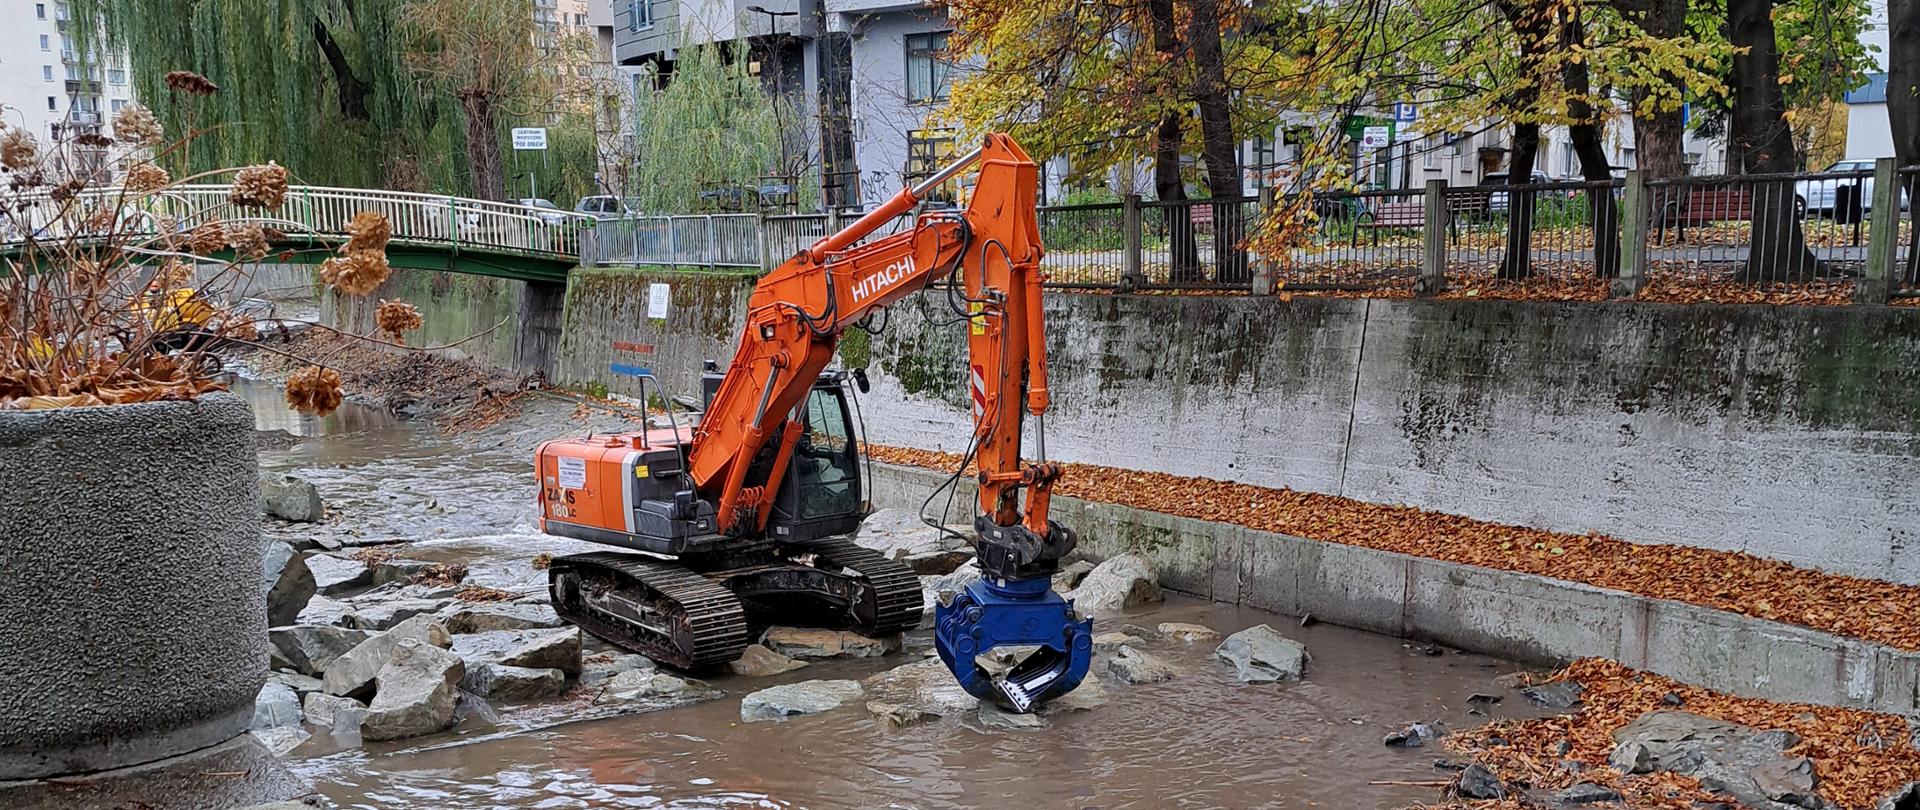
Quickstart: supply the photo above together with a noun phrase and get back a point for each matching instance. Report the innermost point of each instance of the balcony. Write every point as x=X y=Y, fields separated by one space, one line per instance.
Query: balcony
x=83 y=86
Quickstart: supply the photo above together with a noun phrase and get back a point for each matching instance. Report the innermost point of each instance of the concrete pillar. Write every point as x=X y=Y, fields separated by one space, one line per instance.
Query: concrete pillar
x=1635 y=216
x=1433 y=263
x=1883 y=239
x=1132 y=276
x=1268 y=265
x=540 y=313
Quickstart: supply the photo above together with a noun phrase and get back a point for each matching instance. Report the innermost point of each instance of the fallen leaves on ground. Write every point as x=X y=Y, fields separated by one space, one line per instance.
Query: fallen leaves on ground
x=1867 y=609
x=481 y=593
x=374 y=556
x=1859 y=756
x=440 y=574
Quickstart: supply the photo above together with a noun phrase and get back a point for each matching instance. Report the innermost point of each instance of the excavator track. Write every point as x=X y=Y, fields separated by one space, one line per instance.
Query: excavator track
x=657 y=608
x=892 y=602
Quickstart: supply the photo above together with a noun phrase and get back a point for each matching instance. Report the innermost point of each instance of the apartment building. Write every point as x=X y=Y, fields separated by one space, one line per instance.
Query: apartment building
x=53 y=91
x=1869 y=130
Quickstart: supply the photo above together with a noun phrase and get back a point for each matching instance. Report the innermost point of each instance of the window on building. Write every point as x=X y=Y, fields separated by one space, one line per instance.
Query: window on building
x=118 y=103
x=40 y=10
x=639 y=14
x=927 y=151
x=928 y=71
x=53 y=103
x=44 y=45
x=46 y=72
x=117 y=76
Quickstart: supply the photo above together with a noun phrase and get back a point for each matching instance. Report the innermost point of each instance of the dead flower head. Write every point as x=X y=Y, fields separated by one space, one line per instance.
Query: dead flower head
x=135 y=125
x=191 y=83
x=18 y=150
x=147 y=177
x=397 y=317
x=206 y=239
x=368 y=230
x=314 y=390
x=175 y=273
x=259 y=186
x=357 y=273
x=248 y=240
x=241 y=329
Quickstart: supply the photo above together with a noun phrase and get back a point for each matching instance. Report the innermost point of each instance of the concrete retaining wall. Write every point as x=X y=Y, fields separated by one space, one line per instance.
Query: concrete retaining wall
x=454 y=306
x=1791 y=433
x=1518 y=616
x=607 y=326
x=129 y=583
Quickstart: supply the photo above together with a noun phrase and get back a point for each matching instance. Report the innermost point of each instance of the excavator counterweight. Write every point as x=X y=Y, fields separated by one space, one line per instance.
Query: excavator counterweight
x=742 y=516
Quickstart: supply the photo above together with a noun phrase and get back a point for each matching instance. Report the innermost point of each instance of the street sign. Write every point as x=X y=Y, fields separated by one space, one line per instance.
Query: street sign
x=530 y=138
x=1405 y=113
x=1376 y=137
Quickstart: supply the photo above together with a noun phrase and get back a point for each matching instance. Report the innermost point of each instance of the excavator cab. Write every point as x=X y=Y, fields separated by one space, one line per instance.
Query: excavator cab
x=820 y=494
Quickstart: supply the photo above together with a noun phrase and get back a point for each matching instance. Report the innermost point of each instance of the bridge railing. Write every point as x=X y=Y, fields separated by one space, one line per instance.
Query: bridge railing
x=314 y=211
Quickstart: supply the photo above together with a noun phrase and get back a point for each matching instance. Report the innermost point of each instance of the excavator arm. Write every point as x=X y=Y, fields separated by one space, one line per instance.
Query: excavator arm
x=796 y=316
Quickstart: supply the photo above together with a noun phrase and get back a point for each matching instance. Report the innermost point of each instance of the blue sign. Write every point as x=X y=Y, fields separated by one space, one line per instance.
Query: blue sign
x=1405 y=112
x=630 y=371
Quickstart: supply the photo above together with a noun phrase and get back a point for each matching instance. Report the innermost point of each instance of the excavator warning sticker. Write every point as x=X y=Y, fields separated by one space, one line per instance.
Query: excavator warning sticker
x=976 y=315
x=573 y=473
x=977 y=386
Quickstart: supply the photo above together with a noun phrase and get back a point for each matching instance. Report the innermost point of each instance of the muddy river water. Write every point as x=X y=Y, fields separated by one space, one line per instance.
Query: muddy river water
x=1201 y=740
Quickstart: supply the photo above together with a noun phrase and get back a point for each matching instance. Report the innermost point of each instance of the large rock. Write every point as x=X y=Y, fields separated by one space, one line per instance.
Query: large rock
x=418 y=689
x=289 y=498
x=488 y=617
x=994 y=717
x=287 y=581
x=603 y=666
x=1747 y=763
x=1188 y=633
x=280 y=740
x=1259 y=654
x=799 y=642
x=353 y=674
x=502 y=682
x=653 y=685
x=278 y=705
x=334 y=575
x=322 y=610
x=1120 y=584
x=1071 y=575
x=334 y=712
x=917 y=690
x=1133 y=666
x=756 y=661
x=902 y=535
x=385 y=614
x=538 y=649
x=805 y=697
x=300 y=684
x=310 y=648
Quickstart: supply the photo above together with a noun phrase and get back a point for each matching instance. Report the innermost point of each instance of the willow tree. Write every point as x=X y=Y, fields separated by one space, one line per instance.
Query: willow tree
x=709 y=134
x=317 y=85
x=482 y=52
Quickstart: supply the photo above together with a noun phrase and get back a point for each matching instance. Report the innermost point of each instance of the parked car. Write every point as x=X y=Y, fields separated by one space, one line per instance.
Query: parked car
x=1825 y=195
x=544 y=210
x=1497 y=201
x=604 y=205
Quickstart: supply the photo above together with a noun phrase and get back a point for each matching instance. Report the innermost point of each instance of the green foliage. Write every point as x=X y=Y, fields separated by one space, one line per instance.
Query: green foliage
x=712 y=129
x=1821 y=58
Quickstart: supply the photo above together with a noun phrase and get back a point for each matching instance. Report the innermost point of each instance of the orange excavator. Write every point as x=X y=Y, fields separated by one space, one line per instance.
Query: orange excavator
x=744 y=518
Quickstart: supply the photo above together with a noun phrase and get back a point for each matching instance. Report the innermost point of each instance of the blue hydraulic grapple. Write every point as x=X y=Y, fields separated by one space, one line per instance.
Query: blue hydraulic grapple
x=1014 y=605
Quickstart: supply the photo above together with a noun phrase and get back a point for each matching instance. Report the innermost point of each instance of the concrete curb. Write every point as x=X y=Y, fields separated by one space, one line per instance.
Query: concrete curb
x=1513 y=615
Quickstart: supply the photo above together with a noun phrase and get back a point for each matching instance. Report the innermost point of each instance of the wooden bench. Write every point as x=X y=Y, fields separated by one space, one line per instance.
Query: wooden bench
x=1410 y=215
x=1705 y=206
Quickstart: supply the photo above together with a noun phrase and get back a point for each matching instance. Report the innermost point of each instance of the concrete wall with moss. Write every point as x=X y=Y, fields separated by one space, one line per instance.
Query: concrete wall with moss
x=606 y=325
x=1791 y=433
x=454 y=306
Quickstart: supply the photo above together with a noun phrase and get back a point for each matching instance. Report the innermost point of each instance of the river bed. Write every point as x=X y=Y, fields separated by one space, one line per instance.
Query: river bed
x=1201 y=740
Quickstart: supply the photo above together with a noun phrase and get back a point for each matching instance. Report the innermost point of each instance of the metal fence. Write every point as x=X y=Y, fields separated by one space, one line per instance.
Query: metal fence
x=701 y=240
x=1571 y=241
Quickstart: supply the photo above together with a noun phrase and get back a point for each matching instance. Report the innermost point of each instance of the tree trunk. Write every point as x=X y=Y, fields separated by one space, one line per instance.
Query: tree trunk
x=1218 y=145
x=483 y=146
x=1182 y=249
x=1763 y=143
x=1659 y=136
x=352 y=90
x=1585 y=131
x=1518 y=262
x=1903 y=107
